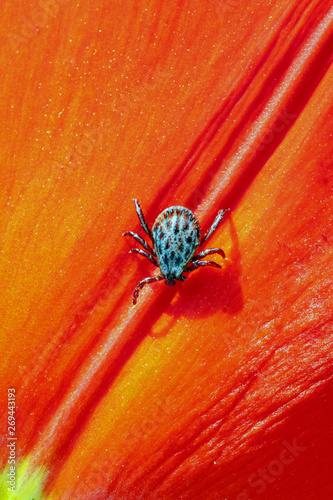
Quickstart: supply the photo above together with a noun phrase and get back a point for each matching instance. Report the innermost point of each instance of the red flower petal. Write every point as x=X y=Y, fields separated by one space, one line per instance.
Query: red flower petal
x=218 y=387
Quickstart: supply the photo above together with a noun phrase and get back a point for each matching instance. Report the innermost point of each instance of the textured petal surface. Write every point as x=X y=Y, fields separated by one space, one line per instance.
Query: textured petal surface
x=219 y=387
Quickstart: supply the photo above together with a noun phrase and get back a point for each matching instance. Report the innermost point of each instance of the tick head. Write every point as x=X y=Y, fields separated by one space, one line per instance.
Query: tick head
x=170 y=282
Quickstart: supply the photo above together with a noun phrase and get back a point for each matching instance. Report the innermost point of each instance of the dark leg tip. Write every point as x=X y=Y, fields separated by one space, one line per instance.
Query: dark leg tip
x=182 y=278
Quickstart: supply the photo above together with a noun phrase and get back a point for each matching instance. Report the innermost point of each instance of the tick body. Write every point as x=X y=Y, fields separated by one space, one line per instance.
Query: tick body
x=175 y=237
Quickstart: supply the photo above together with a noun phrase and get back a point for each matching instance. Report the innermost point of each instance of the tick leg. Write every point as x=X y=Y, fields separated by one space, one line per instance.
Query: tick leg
x=145 y=254
x=216 y=222
x=142 y=284
x=209 y=251
x=142 y=218
x=140 y=240
x=182 y=278
x=195 y=266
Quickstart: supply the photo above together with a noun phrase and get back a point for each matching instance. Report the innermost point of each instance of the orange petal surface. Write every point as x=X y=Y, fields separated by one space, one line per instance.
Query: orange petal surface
x=219 y=387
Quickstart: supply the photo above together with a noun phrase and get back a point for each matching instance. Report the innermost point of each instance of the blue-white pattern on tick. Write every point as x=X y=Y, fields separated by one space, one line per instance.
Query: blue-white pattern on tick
x=175 y=236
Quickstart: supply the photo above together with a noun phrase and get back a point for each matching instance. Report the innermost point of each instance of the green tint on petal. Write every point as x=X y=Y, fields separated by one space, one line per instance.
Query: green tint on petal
x=28 y=484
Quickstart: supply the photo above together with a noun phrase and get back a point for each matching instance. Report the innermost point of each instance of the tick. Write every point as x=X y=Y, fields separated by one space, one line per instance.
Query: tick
x=175 y=237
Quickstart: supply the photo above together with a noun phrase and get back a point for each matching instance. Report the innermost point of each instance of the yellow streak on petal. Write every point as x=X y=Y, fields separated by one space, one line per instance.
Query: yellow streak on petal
x=28 y=483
